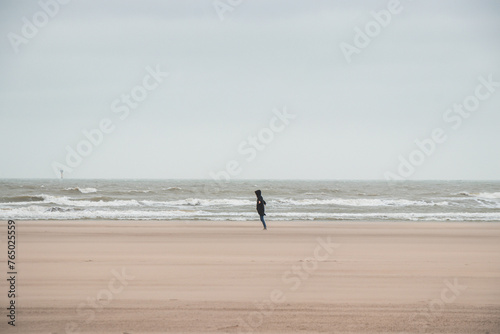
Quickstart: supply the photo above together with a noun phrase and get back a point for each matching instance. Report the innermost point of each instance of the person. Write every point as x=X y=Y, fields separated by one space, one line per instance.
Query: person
x=261 y=207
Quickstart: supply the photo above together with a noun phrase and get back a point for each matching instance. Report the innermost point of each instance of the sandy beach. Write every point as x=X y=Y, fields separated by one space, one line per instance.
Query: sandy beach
x=335 y=277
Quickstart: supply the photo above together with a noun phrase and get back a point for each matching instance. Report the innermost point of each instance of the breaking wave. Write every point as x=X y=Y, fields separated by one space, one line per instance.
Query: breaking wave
x=36 y=212
x=286 y=200
x=487 y=195
x=361 y=202
x=82 y=190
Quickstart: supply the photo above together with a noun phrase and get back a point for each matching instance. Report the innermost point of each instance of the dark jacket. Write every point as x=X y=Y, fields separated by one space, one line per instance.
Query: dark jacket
x=260 y=203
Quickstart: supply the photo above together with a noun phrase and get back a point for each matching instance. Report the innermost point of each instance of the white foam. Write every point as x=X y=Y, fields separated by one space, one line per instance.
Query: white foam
x=440 y=216
x=38 y=212
x=200 y=202
x=64 y=200
x=224 y=202
x=87 y=190
x=83 y=190
x=489 y=195
x=360 y=202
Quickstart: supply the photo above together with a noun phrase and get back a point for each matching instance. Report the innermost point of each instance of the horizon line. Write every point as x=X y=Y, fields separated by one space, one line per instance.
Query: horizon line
x=239 y=179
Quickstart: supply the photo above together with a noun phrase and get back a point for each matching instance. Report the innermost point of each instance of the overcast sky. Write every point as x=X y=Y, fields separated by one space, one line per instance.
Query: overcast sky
x=356 y=103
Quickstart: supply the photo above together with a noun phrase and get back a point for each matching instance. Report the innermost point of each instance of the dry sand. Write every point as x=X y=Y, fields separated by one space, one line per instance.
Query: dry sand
x=335 y=277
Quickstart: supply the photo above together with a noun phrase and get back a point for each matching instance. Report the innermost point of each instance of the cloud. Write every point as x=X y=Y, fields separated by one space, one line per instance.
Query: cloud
x=226 y=77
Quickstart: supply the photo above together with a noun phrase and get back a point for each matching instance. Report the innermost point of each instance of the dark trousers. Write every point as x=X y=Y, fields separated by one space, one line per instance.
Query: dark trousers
x=263 y=221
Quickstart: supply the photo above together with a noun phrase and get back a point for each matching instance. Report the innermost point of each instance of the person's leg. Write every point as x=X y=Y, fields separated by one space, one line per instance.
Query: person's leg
x=263 y=222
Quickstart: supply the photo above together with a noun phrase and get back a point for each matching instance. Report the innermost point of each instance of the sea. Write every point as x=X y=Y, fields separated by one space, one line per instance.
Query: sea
x=68 y=199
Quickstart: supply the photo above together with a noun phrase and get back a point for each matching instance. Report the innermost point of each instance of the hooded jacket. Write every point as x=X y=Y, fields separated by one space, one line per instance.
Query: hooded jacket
x=260 y=203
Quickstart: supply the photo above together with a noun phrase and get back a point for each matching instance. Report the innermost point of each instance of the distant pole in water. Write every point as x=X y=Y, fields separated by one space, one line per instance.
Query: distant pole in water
x=62 y=172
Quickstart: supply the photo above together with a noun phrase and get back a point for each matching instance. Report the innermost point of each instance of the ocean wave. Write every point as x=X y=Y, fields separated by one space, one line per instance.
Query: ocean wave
x=103 y=201
x=43 y=213
x=221 y=202
x=489 y=195
x=200 y=202
x=392 y=216
x=487 y=203
x=99 y=202
x=359 y=202
x=36 y=212
x=59 y=209
x=136 y=191
x=486 y=195
x=82 y=190
x=21 y=199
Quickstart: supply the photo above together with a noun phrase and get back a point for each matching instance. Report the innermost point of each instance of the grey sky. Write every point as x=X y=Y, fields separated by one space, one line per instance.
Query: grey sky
x=353 y=120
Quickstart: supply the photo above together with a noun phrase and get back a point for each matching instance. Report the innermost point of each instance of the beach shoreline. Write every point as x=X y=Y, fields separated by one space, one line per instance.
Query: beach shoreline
x=224 y=276
x=299 y=200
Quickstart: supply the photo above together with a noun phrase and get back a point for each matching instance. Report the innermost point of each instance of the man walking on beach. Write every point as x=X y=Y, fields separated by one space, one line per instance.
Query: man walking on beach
x=261 y=207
